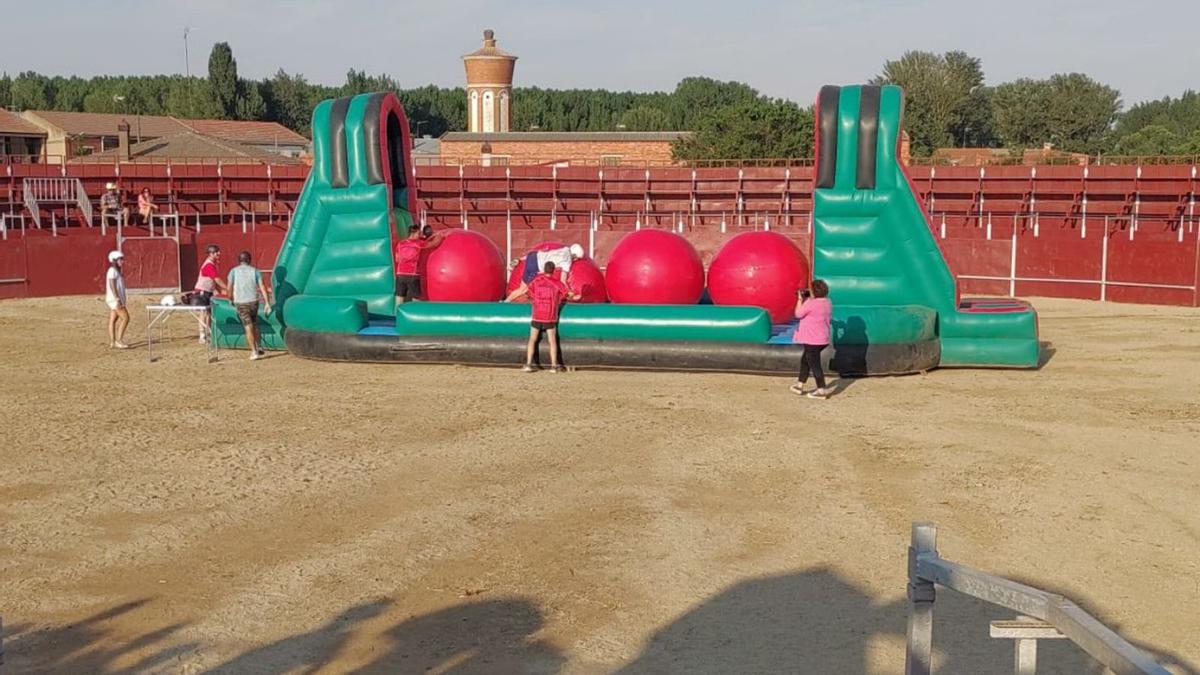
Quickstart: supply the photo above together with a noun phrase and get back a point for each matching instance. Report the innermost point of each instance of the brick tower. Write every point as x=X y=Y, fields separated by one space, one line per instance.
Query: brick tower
x=489 y=87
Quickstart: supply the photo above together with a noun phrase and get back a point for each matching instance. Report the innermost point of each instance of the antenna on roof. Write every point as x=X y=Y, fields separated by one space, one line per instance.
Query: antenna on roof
x=187 y=62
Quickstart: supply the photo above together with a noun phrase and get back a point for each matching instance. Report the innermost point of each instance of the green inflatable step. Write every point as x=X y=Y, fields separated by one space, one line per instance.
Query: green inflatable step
x=229 y=333
x=588 y=322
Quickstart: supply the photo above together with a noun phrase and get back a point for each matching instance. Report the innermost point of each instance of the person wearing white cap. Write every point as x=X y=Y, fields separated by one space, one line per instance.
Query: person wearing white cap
x=110 y=205
x=535 y=262
x=114 y=297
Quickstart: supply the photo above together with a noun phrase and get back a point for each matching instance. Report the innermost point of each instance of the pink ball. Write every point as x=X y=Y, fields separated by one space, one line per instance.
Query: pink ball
x=655 y=267
x=585 y=278
x=465 y=267
x=763 y=269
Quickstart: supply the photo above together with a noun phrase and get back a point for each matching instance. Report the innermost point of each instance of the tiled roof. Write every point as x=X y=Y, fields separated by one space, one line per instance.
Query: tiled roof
x=157 y=126
x=13 y=124
x=567 y=136
x=192 y=145
x=426 y=146
x=257 y=133
x=105 y=124
x=489 y=48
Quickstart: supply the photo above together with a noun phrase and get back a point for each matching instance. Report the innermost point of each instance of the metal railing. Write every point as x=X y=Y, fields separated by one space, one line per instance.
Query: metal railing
x=64 y=191
x=927 y=570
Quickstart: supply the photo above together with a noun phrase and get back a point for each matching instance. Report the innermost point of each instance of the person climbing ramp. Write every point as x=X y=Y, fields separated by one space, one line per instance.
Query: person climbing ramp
x=408 y=261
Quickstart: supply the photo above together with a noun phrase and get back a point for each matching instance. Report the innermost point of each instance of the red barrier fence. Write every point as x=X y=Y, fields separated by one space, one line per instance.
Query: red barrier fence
x=1122 y=233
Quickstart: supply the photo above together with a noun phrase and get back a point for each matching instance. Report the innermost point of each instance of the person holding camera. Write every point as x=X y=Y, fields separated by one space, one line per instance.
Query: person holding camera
x=815 y=311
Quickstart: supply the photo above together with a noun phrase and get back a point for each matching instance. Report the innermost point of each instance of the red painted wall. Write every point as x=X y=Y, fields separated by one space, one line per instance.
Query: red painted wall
x=1064 y=246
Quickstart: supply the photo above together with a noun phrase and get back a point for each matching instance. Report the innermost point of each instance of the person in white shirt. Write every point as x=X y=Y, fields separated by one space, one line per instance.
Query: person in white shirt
x=114 y=297
x=535 y=261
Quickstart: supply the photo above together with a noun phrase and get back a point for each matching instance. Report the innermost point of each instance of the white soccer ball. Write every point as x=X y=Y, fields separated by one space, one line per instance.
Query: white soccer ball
x=167 y=301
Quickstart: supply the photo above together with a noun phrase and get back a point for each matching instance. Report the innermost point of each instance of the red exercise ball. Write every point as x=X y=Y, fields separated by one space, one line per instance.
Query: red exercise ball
x=585 y=278
x=763 y=269
x=655 y=267
x=465 y=267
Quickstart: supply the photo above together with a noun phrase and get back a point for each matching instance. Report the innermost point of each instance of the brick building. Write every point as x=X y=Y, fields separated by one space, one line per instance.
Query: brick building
x=607 y=148
x=489 y=87
x=489 y=139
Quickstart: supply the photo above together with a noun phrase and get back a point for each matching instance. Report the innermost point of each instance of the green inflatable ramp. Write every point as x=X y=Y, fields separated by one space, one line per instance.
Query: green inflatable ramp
x=872 y=242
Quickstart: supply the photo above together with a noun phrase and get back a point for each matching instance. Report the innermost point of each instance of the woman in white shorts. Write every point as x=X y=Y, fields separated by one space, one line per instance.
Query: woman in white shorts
x=114 y=297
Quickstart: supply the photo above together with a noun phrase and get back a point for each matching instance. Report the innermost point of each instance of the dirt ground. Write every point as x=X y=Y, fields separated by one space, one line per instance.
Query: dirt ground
x=296 y=516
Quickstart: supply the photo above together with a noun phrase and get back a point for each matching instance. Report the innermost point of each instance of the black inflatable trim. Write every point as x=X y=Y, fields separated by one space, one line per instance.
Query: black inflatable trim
x=339 y=171
x=851 y=360
x=868 y=137
x=371 y=139
x=827 y=135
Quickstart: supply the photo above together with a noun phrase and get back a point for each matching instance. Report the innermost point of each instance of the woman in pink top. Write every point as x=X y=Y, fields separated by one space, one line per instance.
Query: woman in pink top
x=815 y=314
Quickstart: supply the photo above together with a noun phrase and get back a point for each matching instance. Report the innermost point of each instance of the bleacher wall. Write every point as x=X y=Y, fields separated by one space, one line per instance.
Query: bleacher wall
x=1121 y=233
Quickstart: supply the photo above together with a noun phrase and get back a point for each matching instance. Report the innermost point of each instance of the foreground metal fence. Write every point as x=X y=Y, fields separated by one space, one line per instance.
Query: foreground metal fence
x=927 y=569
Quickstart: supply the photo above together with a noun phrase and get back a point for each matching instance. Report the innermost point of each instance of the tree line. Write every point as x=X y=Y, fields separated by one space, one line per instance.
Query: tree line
x=948 y=104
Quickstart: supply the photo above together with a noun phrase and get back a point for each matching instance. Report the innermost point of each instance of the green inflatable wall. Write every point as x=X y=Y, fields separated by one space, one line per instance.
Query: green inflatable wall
x=873 y=245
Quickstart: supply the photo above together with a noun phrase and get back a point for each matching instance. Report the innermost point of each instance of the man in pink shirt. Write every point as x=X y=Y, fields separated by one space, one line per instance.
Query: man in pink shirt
x=815 y=314
x=547 y=293
x=208 y=283
x=408 y=261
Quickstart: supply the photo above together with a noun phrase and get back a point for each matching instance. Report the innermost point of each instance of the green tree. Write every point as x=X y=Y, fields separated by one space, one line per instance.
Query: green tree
x=30 y=91
x=945 y=101
x=250 y=104
x=290 y=100
x=1153 y=139
x=695 y=98
x=5 y=91
x=223 y=79
x=756 y=128
x=1180 y=116
x=645 y=118
x=1072 y=111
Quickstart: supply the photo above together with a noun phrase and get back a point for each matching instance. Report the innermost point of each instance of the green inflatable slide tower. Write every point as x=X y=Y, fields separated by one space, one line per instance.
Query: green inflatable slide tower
x=335 y=271
x=872 y=242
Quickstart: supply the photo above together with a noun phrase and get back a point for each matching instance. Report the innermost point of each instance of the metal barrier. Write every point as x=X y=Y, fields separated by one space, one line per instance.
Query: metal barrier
x=65 y=191
x=927 y=570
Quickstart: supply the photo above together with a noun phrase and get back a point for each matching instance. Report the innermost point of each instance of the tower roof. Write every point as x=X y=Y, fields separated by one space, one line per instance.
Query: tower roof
x=489 y=48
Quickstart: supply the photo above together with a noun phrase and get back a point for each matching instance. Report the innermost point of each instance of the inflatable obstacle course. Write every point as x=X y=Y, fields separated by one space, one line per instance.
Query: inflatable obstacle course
x=896 y=307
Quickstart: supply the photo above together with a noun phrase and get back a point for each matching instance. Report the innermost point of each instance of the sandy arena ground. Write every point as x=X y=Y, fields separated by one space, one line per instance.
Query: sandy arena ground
x=296 y=516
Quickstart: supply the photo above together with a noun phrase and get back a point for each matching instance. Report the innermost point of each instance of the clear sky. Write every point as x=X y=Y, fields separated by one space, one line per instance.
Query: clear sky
x=1146 y=49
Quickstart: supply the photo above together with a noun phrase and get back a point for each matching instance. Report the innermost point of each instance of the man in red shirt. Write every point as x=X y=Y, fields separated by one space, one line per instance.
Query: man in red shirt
x=546 y=292
x=408 y=262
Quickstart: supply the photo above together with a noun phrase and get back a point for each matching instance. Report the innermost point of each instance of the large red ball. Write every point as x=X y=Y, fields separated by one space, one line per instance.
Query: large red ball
x=585 y=278
x=654 y=267
x=764 y=269
x=465 y=267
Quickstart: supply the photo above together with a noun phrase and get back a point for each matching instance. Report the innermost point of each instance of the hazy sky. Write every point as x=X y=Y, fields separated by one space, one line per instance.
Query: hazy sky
x=1145 y=49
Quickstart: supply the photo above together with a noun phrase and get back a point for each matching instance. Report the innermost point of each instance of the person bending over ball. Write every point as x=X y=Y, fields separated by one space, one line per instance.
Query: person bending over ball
x=535 y=261
x=547 y=292
x=815 y=311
